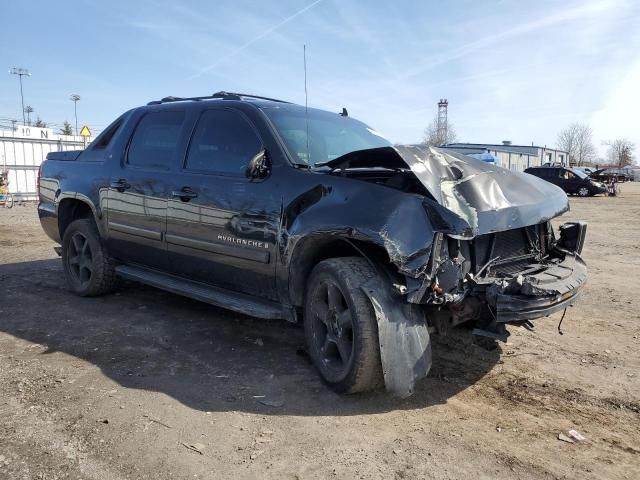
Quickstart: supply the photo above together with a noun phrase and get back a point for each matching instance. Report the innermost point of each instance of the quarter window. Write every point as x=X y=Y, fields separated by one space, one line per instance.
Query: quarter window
x=155 y=140
x=105 y=138
x=223 y=143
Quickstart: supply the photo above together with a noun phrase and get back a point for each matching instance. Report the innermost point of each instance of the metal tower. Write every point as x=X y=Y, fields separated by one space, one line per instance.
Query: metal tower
x=443 y=104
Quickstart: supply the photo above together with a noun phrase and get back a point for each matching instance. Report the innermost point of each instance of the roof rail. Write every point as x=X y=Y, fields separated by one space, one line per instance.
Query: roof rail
x=221 y=95
x=239 y=96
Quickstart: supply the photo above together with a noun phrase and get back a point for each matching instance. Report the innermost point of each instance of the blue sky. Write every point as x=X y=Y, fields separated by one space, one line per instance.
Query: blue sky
x=510 y=69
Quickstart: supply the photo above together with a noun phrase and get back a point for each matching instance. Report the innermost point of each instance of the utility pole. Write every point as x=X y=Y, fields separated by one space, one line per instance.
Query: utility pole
x=21 y=72
x=28 y=110
x=74 y=98
x=442 y=127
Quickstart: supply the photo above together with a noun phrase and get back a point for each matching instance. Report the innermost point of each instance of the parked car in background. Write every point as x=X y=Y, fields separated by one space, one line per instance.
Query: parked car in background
x=606 y=175
x=571 y=180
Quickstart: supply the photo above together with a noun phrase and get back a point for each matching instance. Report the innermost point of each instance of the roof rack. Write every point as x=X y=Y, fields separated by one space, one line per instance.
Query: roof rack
x=221 y=95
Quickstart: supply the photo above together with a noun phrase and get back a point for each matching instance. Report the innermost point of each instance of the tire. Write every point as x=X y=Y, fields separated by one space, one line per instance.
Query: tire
x=340 y=327
x=88 y=268
x=584 y=192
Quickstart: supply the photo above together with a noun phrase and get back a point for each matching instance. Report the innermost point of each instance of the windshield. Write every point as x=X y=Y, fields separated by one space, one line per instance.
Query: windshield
x=579 y=173
x=330 y=135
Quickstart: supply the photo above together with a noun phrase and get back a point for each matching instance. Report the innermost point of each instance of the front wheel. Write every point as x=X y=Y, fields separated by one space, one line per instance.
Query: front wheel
x=583 y=192
x=88 y=268
x=340 y=326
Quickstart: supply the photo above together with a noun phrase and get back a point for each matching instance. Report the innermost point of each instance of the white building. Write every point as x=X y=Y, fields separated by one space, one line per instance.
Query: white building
x=513 y=157
x=23 y=149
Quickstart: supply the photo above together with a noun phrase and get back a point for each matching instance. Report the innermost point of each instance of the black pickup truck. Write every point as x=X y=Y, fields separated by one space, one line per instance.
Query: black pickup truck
x=278 y=211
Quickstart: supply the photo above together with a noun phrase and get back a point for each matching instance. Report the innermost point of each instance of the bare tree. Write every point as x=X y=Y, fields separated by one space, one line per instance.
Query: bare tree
x=621 y=151
x=431 y=135
x=39 y=123
x=577 y=140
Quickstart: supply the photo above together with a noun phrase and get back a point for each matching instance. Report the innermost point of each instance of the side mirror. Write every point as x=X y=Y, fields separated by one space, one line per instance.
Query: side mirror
x=259 y=167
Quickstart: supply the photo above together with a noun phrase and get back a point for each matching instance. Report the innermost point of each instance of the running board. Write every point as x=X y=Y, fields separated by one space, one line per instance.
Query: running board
x=238 y=302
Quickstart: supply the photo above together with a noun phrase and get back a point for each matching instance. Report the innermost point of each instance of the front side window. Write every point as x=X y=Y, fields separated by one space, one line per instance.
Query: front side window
x=155 y=140
x=224 y=143
x=315 y=136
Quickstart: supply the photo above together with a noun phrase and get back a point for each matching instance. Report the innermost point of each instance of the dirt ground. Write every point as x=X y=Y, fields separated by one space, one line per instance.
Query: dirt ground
x=145 y=384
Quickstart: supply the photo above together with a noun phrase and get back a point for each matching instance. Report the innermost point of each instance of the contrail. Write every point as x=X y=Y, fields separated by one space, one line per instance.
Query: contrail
x=251 y=42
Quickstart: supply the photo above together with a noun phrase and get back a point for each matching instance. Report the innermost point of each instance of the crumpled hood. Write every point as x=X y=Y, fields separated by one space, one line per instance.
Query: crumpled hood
x=489 y=198
x=486 y=198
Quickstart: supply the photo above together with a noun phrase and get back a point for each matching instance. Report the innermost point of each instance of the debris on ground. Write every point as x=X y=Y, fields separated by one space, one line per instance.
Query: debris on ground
x=155 y=420
x=256 y=454
x=576 y=435
x=196 y=447
x=564 y=438
x=273 y=395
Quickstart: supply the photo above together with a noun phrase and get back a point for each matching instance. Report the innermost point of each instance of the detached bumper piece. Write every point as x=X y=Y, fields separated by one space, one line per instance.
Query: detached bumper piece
x=552 y=288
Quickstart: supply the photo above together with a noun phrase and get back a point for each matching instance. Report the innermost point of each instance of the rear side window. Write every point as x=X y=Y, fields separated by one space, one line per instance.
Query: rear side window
x=224 y=142
x=155 y=140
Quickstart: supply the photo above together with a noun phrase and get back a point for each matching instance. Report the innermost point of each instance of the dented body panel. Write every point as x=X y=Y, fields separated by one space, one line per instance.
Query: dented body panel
x=465 y=201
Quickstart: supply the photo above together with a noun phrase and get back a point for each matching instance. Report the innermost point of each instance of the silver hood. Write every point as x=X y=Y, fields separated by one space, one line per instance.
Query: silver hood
x=489 y=198
x=485 y=198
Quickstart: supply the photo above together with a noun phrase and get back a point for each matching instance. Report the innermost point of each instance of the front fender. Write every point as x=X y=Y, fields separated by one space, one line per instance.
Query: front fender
x=393 y=220
x=403 y=334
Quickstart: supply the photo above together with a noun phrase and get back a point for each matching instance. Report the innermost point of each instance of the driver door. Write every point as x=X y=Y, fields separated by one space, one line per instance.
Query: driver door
x=222 y=226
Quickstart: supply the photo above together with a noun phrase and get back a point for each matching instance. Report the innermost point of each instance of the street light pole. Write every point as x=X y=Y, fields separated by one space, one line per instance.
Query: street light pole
x=74 y=98
x=21 y=72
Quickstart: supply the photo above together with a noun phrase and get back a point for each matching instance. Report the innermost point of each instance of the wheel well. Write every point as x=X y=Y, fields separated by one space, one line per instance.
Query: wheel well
x=313 y=251
x=70 y=210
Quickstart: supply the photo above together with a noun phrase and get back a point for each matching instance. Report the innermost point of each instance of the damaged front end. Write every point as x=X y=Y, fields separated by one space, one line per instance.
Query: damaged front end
x=509 y=277
x=488 y=256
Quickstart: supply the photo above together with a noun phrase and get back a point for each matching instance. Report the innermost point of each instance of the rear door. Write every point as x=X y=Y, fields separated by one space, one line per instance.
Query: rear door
x=139 y=189
x=222 y=226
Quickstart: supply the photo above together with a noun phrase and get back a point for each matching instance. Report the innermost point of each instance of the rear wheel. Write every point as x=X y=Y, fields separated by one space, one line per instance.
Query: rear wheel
x=88 y=268
x=583 y=192
x=340 y=326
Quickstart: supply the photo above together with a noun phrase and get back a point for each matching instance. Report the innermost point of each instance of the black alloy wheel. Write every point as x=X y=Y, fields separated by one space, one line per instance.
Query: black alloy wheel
x=80 y=260
x=333 y=329
x=340 y=326
x=88 y=267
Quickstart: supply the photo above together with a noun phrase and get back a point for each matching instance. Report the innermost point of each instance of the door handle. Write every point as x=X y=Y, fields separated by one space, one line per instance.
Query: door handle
x=121 y=185
x=185 y=194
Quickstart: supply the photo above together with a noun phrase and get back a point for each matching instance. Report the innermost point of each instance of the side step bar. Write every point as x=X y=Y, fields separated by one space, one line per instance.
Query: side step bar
x=238 y=302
